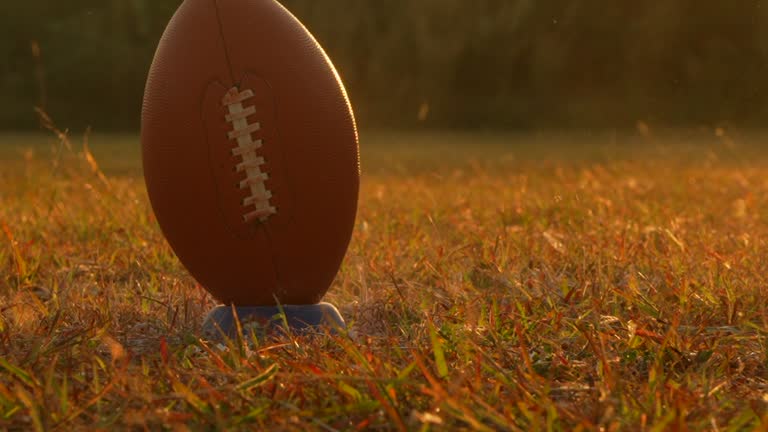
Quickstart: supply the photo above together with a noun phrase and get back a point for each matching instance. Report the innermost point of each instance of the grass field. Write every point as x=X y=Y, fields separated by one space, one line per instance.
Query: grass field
x=494 y=282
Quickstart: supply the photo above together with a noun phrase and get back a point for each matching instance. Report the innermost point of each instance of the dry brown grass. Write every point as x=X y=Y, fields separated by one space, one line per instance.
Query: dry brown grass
x=495 y=289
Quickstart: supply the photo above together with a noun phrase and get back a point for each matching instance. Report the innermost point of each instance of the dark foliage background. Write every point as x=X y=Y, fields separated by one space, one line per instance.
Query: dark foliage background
x=426 y=63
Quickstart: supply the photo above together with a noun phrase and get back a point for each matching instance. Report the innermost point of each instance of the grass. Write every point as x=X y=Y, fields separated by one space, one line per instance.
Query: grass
x=494 y=282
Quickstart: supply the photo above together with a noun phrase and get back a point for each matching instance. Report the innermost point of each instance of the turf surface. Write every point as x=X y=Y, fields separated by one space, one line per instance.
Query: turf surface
x=494 y=282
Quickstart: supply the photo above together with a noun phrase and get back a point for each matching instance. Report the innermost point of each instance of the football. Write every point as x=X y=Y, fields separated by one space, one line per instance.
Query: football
x=250 y=152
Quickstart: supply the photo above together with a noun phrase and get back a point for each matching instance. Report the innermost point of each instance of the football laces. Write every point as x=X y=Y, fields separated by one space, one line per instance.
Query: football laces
x=256 y=205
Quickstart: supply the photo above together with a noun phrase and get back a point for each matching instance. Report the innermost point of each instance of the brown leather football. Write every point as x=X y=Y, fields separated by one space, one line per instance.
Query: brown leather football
x=250 y=152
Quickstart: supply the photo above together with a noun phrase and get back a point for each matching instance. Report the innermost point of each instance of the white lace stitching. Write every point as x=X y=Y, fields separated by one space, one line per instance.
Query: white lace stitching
x=242 y=132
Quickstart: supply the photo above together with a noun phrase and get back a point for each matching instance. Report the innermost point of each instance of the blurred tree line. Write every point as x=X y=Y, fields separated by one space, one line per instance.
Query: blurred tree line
x=431 y=63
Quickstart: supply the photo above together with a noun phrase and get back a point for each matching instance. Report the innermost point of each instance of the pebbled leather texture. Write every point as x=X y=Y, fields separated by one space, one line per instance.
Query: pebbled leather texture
x=310 y=147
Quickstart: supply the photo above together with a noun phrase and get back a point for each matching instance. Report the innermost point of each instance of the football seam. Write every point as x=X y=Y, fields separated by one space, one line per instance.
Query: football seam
x=224 y=42
x=246 y=150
